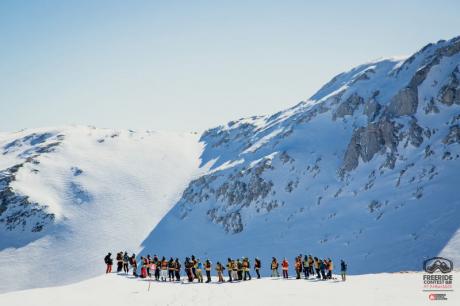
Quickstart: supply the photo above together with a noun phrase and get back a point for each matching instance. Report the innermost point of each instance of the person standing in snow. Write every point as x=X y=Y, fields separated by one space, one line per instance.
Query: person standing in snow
x=109 y=262
x=317 y=266
x=239 y=265
x=246 y=269
x=298 y=266
x=207 y=268
x=220 y=270
x=234 y=270
x=257 y=265
x=310 y=265
x=126 y=262
x=188 y=269
x=145 y=263
x=330 y=267
x=164 y=269
x=285 y=266
x=229 y=269
x=157 y=265
x=343 y=270
x=194 y=265
x=149 y=261
x=322 y=268
x=171 y=269
x=198 y=270
x=274 y=266
x=133 y=262
x=306 y=271
x=177 y=267
x=119 y=262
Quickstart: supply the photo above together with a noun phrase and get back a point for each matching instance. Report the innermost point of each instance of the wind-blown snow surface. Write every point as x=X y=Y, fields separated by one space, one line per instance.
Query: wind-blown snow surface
x=94 y=191
x=379 y=289
x=366 y=170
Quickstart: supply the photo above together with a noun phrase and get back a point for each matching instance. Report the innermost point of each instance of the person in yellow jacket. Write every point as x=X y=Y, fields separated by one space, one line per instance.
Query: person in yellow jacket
x=246 y=269
x=229 y=269
x=330 y=267
x=274 y=266
x=317 y=264
x=310 y=265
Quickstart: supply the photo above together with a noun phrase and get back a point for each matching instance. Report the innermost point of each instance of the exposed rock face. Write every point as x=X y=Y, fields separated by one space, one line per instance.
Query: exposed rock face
x=404 y=103
x=16 y=211
x=348 y=107
x=453 y=136
x=450 y=93
x=415 y=133
x=367 y=141
x=235 y=192
x=372 y=109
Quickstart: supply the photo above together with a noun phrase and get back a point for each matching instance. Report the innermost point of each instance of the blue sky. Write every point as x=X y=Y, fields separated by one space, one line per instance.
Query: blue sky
x=191 y=65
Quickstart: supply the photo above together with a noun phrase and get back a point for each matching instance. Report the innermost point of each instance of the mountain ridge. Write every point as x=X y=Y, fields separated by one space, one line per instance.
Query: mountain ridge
x=364 y=170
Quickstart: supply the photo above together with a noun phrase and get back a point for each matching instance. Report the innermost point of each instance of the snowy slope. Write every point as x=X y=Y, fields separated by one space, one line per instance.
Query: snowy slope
x=68 y=195
x=366 y=170
x=378 y=289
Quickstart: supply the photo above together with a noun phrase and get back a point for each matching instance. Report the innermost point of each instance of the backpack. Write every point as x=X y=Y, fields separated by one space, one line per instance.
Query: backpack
x=106 y=260
x=131 y=261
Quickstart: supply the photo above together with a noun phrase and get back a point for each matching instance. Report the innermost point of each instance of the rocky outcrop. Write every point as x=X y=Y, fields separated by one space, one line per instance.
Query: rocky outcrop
x=372 y=109
x=453 y=136
x=415 y=133
x=369 y=140
x=17 y=213
x=450 y=93
x=232 y=193
x=404 y=103
x=348 y=107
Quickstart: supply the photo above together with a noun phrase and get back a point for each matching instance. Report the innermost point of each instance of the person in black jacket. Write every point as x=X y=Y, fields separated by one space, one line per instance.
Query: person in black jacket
x=109 y=262
x=156 y=261
x=133 y=263
x=207 y=268
x=171 y=269
x=126 y=262
x=343 y=270
x=257 y=266
x=119 y=262
x=177 y=266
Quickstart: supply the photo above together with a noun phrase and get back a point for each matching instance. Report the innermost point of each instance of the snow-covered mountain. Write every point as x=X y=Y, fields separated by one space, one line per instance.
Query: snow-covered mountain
x=69 y=195
x=366 y=170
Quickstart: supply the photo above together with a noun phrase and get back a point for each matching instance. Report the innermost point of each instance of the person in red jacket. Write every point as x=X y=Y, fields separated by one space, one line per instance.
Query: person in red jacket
x=285 y=266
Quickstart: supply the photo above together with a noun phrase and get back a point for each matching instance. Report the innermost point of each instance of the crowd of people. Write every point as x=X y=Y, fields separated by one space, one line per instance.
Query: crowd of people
x=162 y=269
